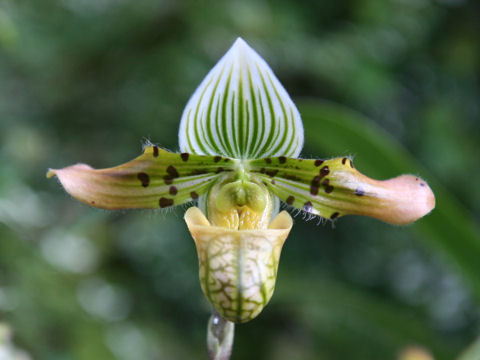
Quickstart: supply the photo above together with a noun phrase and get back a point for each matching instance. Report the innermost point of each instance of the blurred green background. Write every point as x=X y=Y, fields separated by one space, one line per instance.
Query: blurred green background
x=393 y=82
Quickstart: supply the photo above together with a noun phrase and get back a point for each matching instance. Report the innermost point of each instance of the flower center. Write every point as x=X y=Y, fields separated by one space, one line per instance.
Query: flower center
x=239 y=204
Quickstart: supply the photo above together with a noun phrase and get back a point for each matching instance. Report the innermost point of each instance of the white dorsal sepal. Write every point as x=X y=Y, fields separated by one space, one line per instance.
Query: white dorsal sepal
x=241 y=110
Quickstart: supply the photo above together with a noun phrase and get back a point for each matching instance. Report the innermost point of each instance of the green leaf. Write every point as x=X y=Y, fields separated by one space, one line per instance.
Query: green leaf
x=333 y=188
x=156 y=179
x=450 y=229
x=241 y=110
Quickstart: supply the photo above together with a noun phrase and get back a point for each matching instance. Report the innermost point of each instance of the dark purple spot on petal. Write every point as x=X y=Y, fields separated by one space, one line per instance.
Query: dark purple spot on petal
x=324 y=171
x=422 y=184
x=316 y=180
x=262 y=170
x=198 y=172
x=226 y=160
x=144 y=178
x=271 y=173
x=290 y=200
x=172 y=171
x=165 y=202
x=184 y=156
x=268 y=160
x=273 y=181
x=282 y=159
x=318 y=162
x=328 y=188
x=334 y=215
x=219 y=169
x=315 y=185
x=344 y=160
x=155 y=151
x=291 y=177
x=351 y=163
x=217 y=158
x=168 y=179
x=308 y=206
x=173 y=190
x=194 y=195
x=359 y=192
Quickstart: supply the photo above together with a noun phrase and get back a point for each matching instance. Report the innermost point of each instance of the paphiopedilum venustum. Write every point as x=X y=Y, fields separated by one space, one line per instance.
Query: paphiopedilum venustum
x=240 y=137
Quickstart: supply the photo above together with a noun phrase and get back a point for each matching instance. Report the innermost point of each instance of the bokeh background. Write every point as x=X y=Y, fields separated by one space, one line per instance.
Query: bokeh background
x=394 y=83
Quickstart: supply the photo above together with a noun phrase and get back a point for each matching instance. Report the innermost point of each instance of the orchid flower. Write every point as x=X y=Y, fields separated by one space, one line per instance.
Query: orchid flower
x=240 y=139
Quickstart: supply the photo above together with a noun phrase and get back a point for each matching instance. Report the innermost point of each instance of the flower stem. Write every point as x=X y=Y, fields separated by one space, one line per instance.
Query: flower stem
x=220 y=333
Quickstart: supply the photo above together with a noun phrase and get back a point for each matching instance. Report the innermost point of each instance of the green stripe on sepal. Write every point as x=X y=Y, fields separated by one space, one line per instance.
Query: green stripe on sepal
x=241 y=110
x=333 y=188
x=156 y=179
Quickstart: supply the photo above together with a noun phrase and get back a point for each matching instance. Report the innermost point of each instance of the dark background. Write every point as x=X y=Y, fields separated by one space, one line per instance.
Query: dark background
x=393 y=82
